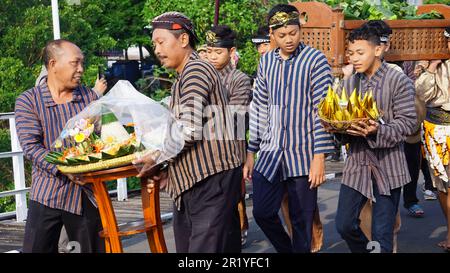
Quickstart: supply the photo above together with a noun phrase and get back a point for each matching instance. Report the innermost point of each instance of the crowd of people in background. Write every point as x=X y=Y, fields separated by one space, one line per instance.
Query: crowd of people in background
x=283 y=156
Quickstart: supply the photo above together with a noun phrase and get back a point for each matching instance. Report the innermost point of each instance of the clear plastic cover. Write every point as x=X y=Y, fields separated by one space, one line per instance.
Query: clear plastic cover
x=121 y=123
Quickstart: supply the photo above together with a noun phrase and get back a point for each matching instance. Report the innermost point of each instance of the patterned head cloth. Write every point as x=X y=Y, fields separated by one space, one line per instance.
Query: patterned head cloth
x=214 y=40
x=384 y=38
x=447 y=32
x=201 y=48
x=174 y=21
x=282 y=18
x=262 y=37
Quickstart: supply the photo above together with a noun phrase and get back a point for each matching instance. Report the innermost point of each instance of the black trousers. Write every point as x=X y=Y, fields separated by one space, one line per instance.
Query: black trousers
x=208 y=220
x=44 y=224
x=426 y=175
x=267 y=199
x=416 y=162
x=413 y=158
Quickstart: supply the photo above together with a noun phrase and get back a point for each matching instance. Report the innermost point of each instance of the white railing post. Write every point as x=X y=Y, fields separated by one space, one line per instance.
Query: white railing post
x=19 y=174
x=55 y=17
x=122 y=193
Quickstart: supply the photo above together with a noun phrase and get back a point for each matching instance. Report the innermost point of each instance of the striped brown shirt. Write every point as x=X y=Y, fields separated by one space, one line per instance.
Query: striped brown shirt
x=39 y=122
x=198 y=100
x=381 y=155
x=239 y=93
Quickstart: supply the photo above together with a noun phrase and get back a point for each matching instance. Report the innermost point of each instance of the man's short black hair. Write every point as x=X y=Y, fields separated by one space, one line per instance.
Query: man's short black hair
x=51 y=49
x=365 y=33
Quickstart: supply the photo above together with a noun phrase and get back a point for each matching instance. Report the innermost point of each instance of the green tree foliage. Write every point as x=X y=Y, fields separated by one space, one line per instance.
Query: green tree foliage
x=446 y=2
x=26 y=26
x=95 y=26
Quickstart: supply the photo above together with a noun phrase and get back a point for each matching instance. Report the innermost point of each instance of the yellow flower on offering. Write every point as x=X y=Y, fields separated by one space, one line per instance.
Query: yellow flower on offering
x=80 y=137
x=58 y=143
x=109 y=139
x=91 y=128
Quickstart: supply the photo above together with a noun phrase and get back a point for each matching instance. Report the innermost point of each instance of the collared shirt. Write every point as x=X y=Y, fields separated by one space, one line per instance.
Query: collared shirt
x=199 y=103
x=39 y=122
x=381 y=156
x=239 y=93
x=284 y=126
x=433 y=88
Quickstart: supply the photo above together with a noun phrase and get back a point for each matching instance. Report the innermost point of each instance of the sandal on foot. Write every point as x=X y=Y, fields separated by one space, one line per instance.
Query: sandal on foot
x=415 y=211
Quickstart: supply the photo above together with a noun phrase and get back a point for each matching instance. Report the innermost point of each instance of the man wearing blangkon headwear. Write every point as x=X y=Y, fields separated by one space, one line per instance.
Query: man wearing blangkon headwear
x=203 y=179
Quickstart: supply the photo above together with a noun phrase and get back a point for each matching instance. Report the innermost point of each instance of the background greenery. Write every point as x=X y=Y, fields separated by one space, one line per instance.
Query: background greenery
x=96 y=26
x=100 y=25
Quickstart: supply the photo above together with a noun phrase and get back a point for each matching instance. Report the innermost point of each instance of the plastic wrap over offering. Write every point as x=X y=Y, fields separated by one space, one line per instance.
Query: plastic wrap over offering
x=116 y=129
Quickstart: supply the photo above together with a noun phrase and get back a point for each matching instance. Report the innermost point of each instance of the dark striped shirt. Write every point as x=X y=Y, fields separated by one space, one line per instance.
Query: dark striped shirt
x=381 y=155
x=284 y=126
x=239 y=92
x=199 y=103
x=39 y=121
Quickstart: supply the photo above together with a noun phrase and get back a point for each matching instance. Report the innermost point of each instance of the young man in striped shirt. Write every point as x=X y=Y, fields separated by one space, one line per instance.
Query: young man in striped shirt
x=221 y=46
x=203 y=179
x=41 y=114
x=376 y=167
x=286 y=131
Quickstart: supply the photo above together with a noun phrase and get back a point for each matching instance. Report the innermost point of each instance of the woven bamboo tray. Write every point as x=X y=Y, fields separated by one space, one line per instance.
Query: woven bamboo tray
x=101 y=165
x=342 y=126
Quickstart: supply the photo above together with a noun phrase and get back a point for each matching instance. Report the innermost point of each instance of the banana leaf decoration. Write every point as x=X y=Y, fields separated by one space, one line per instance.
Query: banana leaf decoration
x=57 y=157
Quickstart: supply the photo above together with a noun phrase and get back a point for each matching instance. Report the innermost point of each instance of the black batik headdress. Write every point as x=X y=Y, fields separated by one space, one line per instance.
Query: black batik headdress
x=282 y=18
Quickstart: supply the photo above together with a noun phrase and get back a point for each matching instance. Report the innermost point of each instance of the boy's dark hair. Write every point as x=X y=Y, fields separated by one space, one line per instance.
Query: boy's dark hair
x=364 y=33
x=263 y=31
x=381 y=28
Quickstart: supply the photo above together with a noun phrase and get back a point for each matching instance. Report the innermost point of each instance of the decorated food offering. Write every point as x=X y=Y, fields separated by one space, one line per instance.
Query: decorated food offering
x=340 y=111
x=114 y=130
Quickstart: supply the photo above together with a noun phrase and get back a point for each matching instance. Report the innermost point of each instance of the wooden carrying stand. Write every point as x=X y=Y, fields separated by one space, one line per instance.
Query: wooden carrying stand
x=325 y=29
x=150 y=205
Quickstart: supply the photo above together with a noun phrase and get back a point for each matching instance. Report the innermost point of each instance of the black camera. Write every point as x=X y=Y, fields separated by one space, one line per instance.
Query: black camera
x=101 y=73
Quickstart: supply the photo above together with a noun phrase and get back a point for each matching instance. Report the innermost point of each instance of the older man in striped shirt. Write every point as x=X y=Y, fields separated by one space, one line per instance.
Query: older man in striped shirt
x=286 y=131
x=41 y=114
x=203 y=179
x=376 y=167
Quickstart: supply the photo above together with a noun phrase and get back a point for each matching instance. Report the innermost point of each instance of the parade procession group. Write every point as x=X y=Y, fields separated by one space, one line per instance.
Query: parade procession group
x=265 y=130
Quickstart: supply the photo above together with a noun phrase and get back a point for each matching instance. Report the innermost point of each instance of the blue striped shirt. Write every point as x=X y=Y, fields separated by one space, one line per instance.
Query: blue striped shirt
x=284 y=126
x=39 y=121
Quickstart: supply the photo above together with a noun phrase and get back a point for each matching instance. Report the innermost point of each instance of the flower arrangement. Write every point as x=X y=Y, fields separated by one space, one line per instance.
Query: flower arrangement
x=83 y=145
x=341 y=111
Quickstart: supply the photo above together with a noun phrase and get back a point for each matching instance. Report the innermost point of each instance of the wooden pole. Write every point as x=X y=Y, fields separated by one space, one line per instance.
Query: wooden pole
x=216 y=13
